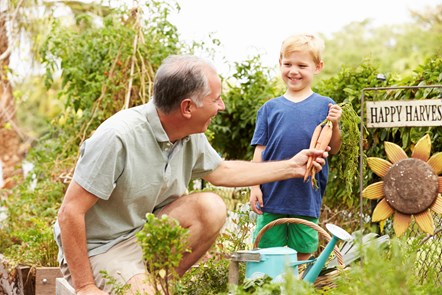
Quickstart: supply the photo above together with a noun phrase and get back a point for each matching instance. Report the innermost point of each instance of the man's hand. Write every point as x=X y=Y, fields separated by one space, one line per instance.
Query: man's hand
x=319 y=157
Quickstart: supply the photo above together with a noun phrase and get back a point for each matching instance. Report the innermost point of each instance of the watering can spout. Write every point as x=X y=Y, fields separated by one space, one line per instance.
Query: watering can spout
x=337 y=234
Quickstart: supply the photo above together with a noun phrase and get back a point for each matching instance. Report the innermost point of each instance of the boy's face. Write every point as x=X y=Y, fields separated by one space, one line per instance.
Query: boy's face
x=298 y=70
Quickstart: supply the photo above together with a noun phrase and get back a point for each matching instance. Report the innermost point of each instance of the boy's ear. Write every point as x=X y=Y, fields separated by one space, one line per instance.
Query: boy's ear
x=319 y=66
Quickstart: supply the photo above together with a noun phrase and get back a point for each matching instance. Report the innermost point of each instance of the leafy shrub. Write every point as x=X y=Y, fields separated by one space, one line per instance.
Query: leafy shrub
x=163 y=243
x=247 y=90
x=381 y=271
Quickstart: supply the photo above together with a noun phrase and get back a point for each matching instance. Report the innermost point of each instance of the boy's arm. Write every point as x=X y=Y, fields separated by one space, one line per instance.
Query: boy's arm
x=335 y=142
x=334 y=114
x=257 y=157
x=255 y=191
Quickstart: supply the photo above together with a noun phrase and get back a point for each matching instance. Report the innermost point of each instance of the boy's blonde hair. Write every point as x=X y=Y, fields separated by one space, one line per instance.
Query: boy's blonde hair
x=303 y=42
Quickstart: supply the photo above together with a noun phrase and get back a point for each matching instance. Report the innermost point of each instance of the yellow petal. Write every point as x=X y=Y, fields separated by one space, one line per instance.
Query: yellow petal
x=422 y=148
x=382 y=211
x=374 y=191
x=401 y=223
x=378 y=165
x=437 y=205
x=436 y=162
x=382 y=225
x=394 y=152
x=425 y=221
x=439 y=181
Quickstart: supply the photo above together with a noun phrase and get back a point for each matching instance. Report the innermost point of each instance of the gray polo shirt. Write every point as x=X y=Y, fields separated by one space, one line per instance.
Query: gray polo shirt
x=132 y=167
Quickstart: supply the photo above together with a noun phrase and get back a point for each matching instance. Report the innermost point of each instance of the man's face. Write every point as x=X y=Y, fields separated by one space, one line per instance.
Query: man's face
x=212 y=103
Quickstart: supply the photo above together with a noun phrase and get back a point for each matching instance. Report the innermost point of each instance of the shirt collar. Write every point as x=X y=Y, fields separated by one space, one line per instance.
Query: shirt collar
x=155 y=123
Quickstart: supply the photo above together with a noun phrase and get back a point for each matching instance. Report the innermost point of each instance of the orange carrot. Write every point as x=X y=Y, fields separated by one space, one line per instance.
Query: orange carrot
x=322 y=142
x=313 y=142
x=325 y=136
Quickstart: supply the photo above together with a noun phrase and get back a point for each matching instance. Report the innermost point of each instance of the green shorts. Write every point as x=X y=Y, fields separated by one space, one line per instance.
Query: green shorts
x=296 y=236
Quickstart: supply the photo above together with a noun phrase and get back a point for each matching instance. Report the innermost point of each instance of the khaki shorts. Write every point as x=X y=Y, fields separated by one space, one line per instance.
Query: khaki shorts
x=121 y=262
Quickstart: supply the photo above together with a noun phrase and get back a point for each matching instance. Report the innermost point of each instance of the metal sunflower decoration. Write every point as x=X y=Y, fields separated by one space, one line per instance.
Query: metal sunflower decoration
x=410 y=187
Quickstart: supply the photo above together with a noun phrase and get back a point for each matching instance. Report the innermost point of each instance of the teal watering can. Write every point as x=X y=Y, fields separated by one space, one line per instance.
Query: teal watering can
x=275 y=261
x=337 y=234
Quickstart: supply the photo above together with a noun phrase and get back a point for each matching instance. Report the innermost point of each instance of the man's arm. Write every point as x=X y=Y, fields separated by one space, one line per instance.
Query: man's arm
x=71 y=218
x=244 y=173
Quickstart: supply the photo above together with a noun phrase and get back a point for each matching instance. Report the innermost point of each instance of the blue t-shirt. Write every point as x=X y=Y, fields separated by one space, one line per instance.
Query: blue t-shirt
x=285 y=128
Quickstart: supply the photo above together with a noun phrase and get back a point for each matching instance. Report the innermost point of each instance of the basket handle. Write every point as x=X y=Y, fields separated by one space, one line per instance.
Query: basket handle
x=310 y=224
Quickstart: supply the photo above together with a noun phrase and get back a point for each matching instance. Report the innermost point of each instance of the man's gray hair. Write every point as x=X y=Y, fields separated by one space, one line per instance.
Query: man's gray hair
x=180 y=77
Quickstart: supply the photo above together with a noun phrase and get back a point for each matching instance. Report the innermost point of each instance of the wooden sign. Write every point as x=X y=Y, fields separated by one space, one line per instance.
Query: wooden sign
x=400 y=113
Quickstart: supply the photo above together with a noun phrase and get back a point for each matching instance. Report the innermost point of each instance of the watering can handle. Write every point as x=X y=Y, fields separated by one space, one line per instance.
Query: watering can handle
x=310 y=224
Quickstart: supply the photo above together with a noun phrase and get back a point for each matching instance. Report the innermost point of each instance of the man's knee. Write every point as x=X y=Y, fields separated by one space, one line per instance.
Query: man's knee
x=215 y=208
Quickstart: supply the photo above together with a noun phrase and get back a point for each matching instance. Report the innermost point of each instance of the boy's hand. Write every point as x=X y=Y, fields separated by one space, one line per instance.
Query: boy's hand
x=256 y=199
x=334 y=113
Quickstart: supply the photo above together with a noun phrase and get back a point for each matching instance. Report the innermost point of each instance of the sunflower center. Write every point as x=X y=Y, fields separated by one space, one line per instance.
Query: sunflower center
x=410 y=186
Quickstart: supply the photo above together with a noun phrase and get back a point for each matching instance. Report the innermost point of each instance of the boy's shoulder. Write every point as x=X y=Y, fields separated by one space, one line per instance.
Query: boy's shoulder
x=318 y=99
x=275 y=100
x=317 y=95
x=273 y=103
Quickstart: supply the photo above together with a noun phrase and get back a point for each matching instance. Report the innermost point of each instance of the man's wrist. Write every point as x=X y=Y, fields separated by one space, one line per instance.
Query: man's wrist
x=84 y=286
x=296 y=170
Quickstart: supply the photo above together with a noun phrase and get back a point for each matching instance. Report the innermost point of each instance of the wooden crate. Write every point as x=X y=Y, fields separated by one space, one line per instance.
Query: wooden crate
x=45 y=280
x=26 y=279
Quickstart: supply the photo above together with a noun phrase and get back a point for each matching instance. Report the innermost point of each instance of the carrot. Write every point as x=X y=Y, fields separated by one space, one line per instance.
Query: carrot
x=322 y=142
x=313 y=142
x=325 y=136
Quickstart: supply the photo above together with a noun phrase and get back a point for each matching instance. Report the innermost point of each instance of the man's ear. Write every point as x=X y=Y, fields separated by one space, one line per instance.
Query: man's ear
x=186 y=107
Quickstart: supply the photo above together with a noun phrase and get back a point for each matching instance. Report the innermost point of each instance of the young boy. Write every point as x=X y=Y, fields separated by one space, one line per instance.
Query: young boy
x=284 y=126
